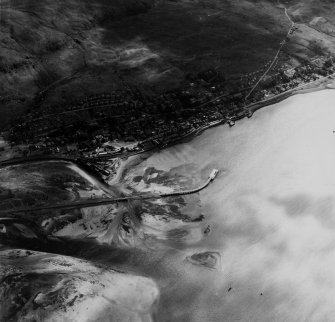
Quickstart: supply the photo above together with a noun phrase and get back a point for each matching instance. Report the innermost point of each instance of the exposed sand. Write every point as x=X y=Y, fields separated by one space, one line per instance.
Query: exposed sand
x=270 y=253
x=62 y=288
x=272 y=215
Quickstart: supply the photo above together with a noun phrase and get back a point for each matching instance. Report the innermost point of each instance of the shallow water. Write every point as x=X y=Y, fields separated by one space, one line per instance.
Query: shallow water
x=272 y=218
x=269 y=254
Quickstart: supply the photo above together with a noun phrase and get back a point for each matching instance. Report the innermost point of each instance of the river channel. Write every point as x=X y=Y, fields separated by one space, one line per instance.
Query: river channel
x=270 y=218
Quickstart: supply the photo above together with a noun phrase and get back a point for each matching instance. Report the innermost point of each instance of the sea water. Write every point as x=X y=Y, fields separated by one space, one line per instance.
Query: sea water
x=272 y=217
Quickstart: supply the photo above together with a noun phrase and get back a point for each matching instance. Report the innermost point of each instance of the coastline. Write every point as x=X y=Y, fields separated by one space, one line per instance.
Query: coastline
x=265 y=103
x=267 y=206
x=244 y=230
x=326 y=82
x=317 y=85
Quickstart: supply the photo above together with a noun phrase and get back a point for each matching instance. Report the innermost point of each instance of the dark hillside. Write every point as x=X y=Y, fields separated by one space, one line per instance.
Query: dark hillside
x=68 y=49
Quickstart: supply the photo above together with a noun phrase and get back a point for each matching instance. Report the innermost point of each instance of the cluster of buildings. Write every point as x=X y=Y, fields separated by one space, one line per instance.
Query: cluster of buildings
x=127 y=122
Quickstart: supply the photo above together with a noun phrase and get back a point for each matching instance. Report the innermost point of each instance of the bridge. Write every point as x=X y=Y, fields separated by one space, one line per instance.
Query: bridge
x=86 y=203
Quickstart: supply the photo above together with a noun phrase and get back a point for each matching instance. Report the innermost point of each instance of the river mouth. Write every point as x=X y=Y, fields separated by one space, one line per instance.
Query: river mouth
x=256 y=245
x=131 y=238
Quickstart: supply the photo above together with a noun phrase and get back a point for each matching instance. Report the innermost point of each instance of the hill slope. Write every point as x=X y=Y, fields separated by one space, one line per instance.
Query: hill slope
x=68 y=49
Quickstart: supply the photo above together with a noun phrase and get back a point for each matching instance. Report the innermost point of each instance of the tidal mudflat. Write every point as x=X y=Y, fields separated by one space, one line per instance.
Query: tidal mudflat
x=271 y=217
x=258 y=244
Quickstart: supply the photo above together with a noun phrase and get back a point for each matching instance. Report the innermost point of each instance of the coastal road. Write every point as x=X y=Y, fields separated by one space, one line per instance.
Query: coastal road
x=282 y=44
x=283 y=94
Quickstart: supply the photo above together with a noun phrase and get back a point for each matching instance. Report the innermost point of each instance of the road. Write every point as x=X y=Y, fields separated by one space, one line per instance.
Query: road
x=282 y=44
x=289 y=18
x=194 y=131
x=278 y=96
x=106 y=201
x=79 y=110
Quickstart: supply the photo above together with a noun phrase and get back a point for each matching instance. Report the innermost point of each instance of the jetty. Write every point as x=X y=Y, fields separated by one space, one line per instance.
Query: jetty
x=86 y=203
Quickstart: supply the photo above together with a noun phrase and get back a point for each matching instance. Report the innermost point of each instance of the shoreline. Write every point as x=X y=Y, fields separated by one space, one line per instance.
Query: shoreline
x=317 y=85
x=264 y=103
x=274 y=183
x=326 y=82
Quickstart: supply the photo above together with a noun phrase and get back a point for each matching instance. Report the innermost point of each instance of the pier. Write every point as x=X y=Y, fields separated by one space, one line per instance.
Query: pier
x=106 y=201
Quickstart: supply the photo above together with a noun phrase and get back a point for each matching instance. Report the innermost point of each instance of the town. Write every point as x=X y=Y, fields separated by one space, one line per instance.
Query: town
x=103 y=128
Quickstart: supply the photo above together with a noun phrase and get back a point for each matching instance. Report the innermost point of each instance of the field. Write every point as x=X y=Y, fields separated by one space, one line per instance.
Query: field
x=101 y=45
